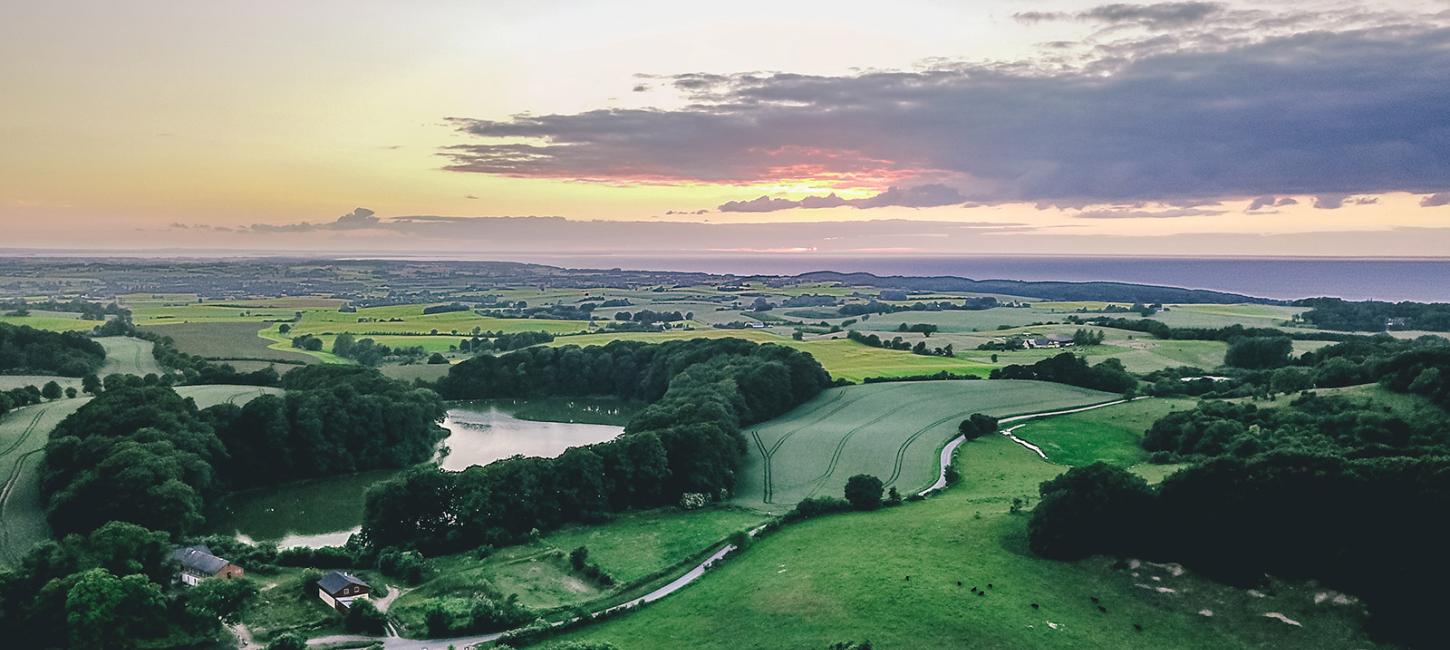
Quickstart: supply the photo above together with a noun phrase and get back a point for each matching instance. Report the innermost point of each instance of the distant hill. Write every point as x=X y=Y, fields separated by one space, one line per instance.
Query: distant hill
x=1104 y=291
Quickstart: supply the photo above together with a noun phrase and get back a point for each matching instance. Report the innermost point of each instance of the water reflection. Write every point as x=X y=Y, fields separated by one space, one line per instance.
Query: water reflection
x=324 y=512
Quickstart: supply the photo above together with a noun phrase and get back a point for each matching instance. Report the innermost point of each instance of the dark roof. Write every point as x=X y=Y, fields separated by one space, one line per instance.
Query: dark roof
x=199 y=558
x=334 y=581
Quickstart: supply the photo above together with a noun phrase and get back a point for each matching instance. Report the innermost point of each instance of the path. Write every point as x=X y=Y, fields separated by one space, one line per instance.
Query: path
x=946 y=452
x=466 y=642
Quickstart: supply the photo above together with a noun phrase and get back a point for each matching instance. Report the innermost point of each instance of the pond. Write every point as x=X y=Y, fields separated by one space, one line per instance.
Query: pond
x=324 y=512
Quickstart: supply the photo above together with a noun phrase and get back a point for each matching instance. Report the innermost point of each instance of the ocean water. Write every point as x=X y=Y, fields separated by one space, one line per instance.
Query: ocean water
x=1279 y=278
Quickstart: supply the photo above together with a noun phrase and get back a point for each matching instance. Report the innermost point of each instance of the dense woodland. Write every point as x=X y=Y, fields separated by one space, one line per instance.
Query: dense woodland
x=1068 y=368
x=688 y=440
x=26 y=350
x=140 y=453
x=1375 y=315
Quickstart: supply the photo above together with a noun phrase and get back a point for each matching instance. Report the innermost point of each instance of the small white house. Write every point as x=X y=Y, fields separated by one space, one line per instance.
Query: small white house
x=339 y=590
x=198 y=563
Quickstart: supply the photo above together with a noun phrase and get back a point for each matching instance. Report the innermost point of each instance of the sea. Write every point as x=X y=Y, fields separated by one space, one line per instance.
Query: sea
x=1283 y=278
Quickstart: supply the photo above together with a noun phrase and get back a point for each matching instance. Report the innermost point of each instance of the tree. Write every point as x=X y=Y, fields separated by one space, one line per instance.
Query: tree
x=977 y=425
x=51 y=390
x=106 y=612
x=70 y=392
x=364 y=618
x=1259 y=352
x=226 y=600
x=91 y=384
x=284 y=328
x=342 y=346
x=1088 y=510
x=437 y=359
x=864 y=492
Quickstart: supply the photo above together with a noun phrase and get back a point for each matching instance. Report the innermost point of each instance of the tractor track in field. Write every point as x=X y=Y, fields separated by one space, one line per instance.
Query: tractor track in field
x=835 y=405
x=5 y=492
x=846 y=439
x=25 y=435
x=901 y=451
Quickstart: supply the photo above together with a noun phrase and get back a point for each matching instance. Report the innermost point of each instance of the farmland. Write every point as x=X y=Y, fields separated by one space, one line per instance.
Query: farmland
x=892 y=577
x=23 y=434
x=1109 y=435
x=128 y=356
x=892 y=431
x=632 y=548
x=56 y=321
x=225 y=341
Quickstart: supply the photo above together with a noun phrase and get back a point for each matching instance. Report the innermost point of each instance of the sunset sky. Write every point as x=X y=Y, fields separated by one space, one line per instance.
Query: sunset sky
x=941 y=127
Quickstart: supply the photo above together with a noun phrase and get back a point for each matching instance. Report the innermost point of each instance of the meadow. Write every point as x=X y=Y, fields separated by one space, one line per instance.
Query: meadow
x=225 y=341
x=902 y=578
x=634 y=548
x=894 y=431
x=1108 y=434
x=55 y=321
x=128 y=356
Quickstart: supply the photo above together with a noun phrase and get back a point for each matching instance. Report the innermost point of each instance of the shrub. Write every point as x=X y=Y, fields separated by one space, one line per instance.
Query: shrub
x=817 y=506
x=288 y=641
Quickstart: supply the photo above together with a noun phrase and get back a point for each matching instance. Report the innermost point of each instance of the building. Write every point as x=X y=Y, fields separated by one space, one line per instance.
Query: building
x=1055 y=341
x=197 y=564
x=339 y=590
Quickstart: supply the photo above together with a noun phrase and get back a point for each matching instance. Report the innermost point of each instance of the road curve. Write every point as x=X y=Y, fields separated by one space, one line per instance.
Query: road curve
x=951 y=448
x=466 y=642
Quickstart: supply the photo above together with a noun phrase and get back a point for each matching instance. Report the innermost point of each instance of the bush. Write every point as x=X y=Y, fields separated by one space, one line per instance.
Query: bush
x=288 y=641
x=864 y=492
x=364 y=618
x=408 y=566
x=1089 y=510
x=817 y=506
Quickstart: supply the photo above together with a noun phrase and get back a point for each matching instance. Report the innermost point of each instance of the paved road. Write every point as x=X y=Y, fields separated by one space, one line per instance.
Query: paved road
x=947 y=451
x=465 y=642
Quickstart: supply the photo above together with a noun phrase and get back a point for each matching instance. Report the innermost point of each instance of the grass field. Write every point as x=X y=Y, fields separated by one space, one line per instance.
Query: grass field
x=128 y=356
x=225 y=340
x=55 y=321
x=212 y=395
x=414 y=321
x=631 y=548
x=1108 y=434
x=891 y=576
x=8 y=382
x=23 y=434
x=893 y=431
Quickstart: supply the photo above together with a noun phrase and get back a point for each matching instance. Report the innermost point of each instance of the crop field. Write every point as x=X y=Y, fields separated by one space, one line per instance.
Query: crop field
x=893 y=431
x=55 y=321
x=901 y=578
x=225 y=340
x=128 y=356
x=412 y=320
x=8 y=382
x=1108 y=434
x=214 y=394
x=23 y=434
x=631 y=548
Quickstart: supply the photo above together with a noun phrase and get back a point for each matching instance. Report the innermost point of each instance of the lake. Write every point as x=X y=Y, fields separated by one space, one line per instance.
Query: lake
x=324 y=512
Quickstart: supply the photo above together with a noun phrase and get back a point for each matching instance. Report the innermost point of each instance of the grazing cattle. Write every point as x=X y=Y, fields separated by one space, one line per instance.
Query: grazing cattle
x=1036 y=606
x=959 y=583
x=989 y=586
x=1102 y=609
x=1093 y=598
x=1138 y=627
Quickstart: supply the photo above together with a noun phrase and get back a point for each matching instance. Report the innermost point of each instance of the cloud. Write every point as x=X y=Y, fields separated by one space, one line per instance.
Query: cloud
x=1133 y=213
x=1232 y=114
x=1337 y=201
x=1165 y=15
x=921 y=196
x=1271 y=201
x=358 y=219
x=1435 y=200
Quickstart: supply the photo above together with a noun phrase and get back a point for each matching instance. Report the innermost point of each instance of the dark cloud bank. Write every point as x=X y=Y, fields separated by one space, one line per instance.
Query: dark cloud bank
x=1222 y=105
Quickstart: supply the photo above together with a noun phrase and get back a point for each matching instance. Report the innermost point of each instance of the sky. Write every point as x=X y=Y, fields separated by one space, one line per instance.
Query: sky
x=793 y=128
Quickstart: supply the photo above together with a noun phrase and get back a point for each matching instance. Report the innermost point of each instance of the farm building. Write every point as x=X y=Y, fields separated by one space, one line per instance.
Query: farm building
x=1050 y=342
x=198 y=563
x=339 y=589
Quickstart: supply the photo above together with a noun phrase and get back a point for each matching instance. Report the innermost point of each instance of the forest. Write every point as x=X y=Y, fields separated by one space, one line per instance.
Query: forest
x=687 y=441
x=27 y=350
x=1375 y=315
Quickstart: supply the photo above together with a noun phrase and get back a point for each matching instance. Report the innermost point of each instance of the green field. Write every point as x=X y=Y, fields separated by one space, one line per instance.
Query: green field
x=632 y=548
x=128 y=356
x=23 y=434
x=55 y=321
x=8 y=382
x=892 y=577
x=894 y=431
x=226 y=341
x=214 y=394
x=376 y=321
x=1108 y=434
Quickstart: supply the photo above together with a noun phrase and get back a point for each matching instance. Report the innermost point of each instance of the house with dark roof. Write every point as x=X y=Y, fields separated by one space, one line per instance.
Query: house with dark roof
x=339 y=589
x=198 y=563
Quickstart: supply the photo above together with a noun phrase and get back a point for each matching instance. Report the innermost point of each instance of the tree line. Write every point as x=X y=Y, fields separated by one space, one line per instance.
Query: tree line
x=687 y=441
x=1067 y=368
x=143 y=454
x=24 y=349
x=1375 y=315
